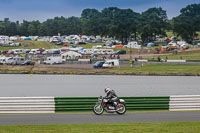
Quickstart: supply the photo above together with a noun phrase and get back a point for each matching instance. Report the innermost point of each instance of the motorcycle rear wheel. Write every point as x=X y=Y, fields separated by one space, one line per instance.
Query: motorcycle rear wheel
x=98 y=109
x=122 y=110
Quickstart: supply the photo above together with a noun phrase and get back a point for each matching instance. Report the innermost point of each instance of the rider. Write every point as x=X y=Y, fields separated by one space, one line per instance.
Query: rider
x=111 y=95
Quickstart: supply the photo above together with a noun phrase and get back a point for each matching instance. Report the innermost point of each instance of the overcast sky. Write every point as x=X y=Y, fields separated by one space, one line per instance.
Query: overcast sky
x=44 y=9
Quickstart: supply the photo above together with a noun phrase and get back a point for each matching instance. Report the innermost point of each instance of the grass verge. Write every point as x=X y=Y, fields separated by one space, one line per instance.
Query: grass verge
x=164 y=127
x=186 y=55
x=160 y=69
x=155 y=69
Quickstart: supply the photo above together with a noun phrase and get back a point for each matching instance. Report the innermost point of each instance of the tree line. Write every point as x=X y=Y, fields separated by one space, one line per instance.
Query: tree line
x=114 y=22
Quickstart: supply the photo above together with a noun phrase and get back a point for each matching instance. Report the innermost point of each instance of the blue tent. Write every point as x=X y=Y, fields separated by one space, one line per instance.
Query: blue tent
x=27 y=38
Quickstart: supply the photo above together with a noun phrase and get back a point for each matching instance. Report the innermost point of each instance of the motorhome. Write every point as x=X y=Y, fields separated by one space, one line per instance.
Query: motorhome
x=2 y=60
x=111 y=64
x=33 y=51
x=103 y=51
x=8 y=60
x=55 y=39
x=4 y=39
x=15 y=61
x=133 y=44
x=87 y=51
x=19 y=51
x=52 y=51
x=54 y=60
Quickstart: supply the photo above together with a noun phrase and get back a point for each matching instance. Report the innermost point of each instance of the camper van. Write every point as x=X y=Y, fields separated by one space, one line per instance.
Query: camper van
x=19 y=51
x=52 y=51
x=15 y=61
x=54 y=60
x=103 y=51
x=133 y=44
x=111 y=64
x=33 y=51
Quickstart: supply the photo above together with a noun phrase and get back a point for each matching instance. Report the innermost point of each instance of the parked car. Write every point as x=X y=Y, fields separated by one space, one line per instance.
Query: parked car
x=28 y=62
x=121 y=52
x=99 y=64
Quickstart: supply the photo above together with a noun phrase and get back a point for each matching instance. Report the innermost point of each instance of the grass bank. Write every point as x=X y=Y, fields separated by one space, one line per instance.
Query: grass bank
x=186 y=55
x=32 y=45
x=158 y=69
x=165 y=127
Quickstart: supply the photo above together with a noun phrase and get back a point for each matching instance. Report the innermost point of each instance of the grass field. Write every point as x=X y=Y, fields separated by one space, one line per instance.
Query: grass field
x=9 y=48
x=32 y=45
x=37 y=44
x=158 y=69
x=189 y=55
x=163 y=127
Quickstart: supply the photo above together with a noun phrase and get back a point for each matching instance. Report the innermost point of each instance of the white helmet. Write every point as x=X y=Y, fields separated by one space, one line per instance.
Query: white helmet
x=107 y=90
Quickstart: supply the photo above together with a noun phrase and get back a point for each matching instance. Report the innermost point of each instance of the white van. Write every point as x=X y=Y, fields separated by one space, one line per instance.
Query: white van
x=111 y=64
x=53 y=60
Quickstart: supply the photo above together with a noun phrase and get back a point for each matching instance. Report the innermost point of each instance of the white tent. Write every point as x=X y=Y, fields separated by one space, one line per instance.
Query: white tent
x=71 y=55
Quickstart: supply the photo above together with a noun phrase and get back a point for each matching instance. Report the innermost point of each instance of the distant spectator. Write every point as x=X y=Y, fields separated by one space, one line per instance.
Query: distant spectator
x=118 y=57
x=136 y=59
x=176 y=51
x=110 y=56
x=166 y=58
x=159 y=59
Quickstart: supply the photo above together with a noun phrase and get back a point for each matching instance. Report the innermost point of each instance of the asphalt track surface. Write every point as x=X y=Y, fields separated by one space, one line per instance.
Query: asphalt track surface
x=38 y=119
x=19 y=85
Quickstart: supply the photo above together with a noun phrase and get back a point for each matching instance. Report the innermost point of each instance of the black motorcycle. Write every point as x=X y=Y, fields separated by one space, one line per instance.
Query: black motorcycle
x=104 y=104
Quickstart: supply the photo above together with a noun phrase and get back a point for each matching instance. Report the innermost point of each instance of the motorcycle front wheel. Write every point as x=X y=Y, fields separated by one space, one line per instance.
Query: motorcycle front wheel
x=98 y=109
x=122 y=109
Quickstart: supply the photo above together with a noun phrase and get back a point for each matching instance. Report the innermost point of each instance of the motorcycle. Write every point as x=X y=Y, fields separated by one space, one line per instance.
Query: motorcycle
x=104 y=104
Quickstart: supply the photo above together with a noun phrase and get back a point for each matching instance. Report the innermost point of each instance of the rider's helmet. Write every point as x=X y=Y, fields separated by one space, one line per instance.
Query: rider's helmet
x=107 y=90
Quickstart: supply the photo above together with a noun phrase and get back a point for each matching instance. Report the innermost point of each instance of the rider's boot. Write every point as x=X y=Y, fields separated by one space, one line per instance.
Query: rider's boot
x=115 y=105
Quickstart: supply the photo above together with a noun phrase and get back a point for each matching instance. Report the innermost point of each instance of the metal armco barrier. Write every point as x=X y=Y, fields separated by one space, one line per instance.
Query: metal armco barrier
x=65 y=104
x=27 y=105
x=184 y=103
x=69 y=104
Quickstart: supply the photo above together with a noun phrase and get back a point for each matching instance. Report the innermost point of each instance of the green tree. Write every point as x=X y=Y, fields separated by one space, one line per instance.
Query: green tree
x=153 y=22
x=120 y=23
x=187 y=23
x=23 y=29
x=73 y=26
x=33 y=28
x=91 y=22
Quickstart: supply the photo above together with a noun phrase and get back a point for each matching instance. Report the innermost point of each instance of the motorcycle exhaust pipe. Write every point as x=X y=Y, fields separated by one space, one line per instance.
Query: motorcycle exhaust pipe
x=111 y=111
